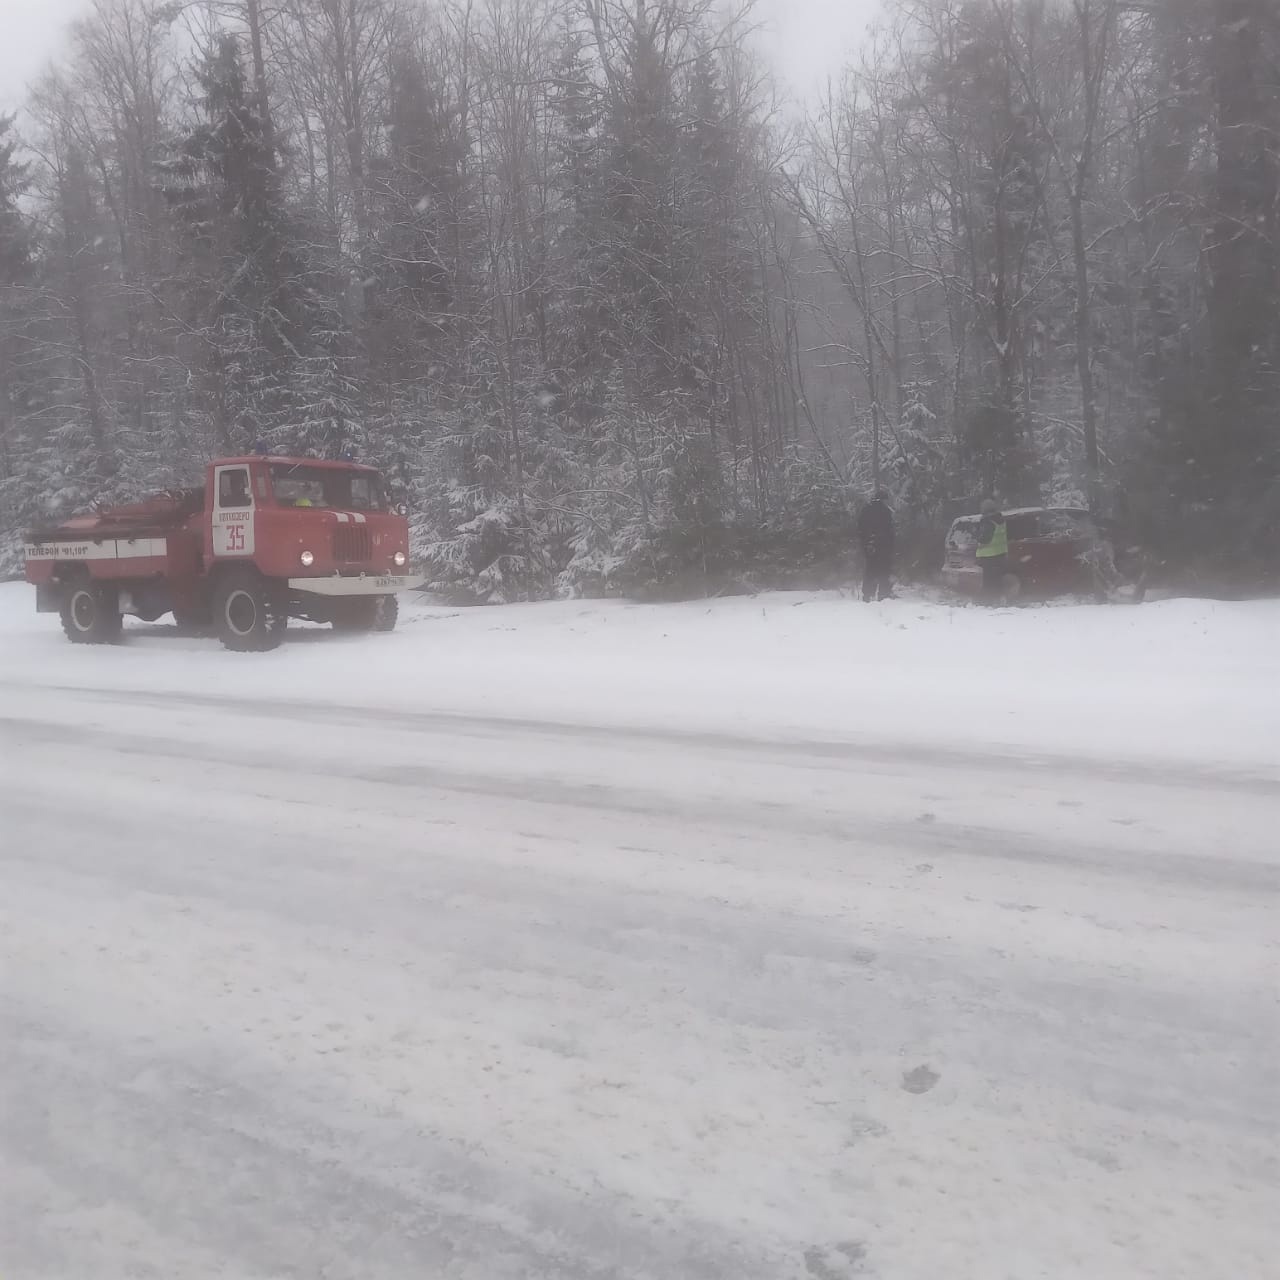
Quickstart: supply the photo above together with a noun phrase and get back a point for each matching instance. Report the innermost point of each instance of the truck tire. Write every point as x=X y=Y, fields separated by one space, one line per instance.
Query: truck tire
x=359 y=613
x=192 y=622
x=388 y=614
x=246 y=614
x=91 y=613
x=366 y=613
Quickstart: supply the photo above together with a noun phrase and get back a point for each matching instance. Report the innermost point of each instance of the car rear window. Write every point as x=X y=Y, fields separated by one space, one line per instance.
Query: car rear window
x=963 y=534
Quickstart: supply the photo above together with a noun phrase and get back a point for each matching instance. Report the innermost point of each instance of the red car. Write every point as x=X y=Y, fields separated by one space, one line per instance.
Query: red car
x=1052 y=551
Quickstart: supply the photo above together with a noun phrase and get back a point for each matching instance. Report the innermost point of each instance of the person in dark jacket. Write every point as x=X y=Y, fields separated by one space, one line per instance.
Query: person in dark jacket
x=993 y=551
x=875 y=533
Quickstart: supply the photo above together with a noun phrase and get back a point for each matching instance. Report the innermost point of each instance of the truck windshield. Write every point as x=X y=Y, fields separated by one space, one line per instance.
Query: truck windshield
x=297 y=485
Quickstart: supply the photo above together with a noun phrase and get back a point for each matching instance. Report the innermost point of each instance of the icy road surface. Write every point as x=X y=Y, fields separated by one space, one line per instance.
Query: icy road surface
x=300 y=987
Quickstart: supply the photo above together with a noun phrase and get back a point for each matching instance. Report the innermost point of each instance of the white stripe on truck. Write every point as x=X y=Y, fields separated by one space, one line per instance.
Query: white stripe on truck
x=106 y=549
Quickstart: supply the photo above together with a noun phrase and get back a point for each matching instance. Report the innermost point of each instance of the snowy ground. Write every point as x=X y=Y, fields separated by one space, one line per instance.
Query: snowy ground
x=774 y=938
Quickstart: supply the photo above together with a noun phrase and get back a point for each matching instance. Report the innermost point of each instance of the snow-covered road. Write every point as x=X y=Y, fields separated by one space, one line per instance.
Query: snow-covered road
x=311 y=988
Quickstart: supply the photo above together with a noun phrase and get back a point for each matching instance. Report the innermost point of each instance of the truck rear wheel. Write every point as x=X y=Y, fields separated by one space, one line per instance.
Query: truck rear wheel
x=247 y=614
x=91 y=614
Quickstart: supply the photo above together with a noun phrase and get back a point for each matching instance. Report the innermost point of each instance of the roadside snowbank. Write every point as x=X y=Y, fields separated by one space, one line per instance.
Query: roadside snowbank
x=1178 y=680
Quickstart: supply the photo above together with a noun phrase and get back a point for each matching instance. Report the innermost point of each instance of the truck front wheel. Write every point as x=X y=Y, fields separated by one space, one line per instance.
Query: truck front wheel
x=246 y=614
x=91 y=614
x=388 y=614
x=366 y=613
x=356 y=614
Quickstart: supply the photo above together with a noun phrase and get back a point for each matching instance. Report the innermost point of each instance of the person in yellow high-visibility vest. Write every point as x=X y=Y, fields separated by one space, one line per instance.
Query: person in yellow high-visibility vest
x=993 y=550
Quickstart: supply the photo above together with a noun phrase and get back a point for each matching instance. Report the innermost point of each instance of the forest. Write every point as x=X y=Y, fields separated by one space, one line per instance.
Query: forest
x=618 y=313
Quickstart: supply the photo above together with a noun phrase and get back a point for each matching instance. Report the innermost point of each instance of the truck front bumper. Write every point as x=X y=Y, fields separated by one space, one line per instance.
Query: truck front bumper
x=374 y=584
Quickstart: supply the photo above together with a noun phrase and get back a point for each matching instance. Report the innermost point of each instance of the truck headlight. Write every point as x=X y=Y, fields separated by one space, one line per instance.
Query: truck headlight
x=307 y=559
x=399 y=559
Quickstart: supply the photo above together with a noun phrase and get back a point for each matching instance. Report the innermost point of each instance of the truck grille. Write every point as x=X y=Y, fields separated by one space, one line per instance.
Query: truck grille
x=352 y=544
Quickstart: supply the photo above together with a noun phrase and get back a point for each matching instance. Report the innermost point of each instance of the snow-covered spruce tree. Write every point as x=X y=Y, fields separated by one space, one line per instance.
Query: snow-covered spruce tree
x=1003 y=236
x=677 y=543
x=485 y=548
x=247 y=315
x=1225 y=429
x=20 y=437
x=923 y=475
x=422 y=230
x=69 y=453
x=583 y=343
x=326 y=402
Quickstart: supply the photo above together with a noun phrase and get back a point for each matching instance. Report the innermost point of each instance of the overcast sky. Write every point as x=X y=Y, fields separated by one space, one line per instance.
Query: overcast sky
x=808 y=39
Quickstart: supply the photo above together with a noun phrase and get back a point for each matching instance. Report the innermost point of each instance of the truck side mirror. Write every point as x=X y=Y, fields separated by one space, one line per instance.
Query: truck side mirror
x=401 y=509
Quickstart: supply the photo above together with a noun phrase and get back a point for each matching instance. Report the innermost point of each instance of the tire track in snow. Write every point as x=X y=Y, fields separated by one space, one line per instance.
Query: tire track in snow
x=935 y=838
x=1014 y=760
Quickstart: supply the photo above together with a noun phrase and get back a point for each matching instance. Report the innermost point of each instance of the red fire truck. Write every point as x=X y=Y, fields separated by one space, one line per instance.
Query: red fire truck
x=265 y=540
